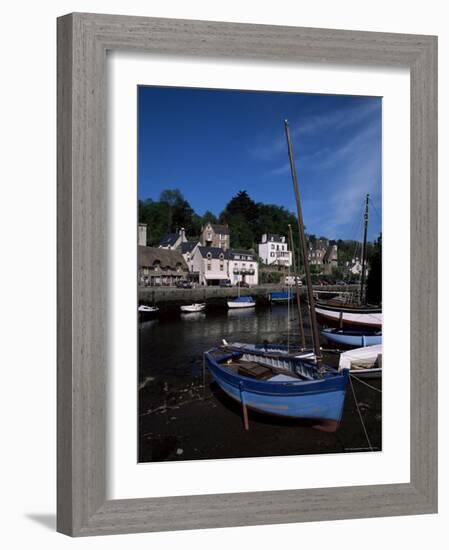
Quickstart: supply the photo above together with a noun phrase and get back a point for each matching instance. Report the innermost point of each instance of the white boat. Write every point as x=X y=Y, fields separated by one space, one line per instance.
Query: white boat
x=241 y=302
x=353 y=318
x=363 y=362
x=148 y=310
x=193 y=308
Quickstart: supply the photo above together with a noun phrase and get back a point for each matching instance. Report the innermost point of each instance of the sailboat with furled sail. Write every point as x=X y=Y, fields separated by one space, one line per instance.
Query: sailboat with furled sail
x=360 y=316
x=273 y=382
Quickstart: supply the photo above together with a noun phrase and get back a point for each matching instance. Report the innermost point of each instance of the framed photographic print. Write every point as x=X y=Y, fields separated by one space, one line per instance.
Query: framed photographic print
x=231 y=277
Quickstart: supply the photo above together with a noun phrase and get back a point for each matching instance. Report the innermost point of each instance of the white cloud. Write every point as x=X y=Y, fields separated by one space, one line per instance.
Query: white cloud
x=313 y=124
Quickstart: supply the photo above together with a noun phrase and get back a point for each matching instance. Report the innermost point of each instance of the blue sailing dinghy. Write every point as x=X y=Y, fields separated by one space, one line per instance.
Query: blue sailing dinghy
x=280 y=297
x=355 y=338
x=295 y=388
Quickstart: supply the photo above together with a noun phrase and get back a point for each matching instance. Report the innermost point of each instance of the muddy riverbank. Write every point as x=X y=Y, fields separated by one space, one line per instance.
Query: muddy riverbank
x=179 y=419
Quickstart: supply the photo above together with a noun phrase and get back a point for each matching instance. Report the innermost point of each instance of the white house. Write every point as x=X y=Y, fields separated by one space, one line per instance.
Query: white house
x=243 y=267
x=188 y=250
x=211 y=264
x=273 y=250
x=355 y=267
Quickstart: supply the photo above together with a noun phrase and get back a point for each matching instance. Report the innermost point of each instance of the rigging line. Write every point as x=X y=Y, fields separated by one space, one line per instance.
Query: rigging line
x=379 y=217
x=360 y=415
x=365 y=383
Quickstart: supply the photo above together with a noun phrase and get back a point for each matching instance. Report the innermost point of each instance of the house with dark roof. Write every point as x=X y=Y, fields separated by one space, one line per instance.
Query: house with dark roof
x=273 y=250
x=243 y=267
x=211 y=264
x=172 y=241
x=330 y=259
x=324 y=254
x=160 y=266
x=215 y=235
x=188 y=250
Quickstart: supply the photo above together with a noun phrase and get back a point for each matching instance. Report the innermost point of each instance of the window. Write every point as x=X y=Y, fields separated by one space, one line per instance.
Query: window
x=272 y=247
x=208 y=267
x=221 y=267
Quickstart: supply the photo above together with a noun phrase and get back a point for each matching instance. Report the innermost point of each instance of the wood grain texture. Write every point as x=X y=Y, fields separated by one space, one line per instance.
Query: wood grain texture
x=83 y=40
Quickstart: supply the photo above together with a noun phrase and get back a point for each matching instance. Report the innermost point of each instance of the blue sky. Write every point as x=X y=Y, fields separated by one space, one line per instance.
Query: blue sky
x=213 y=143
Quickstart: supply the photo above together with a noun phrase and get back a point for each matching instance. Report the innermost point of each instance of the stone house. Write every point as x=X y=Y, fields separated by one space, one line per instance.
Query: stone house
x=142 y=234
x=324 y=253
x=160 y=267
x=215 y=235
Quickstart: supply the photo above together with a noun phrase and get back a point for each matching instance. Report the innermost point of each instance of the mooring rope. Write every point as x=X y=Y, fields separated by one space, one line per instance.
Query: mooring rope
x=365 y=383
x=360 y=415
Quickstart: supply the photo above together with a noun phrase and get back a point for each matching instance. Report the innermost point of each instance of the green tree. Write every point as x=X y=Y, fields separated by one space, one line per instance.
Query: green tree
x=208 y=217
x=156 y=216
x=240 y=205
x=180 y=212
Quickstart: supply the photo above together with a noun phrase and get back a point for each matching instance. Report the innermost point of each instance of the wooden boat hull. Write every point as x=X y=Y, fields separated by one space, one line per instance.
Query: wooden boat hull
x=347 y=308
x=340 y=318
x=318 y=400
x=354 y=338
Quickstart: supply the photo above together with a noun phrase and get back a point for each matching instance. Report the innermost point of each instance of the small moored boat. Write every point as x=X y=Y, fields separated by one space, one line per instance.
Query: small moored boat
x=355 y=338
x=280 y=297
x=193 y=308
x=295 y=388
x=363 y=362
x=241 y=302
x=148 y=310
x=346 y=316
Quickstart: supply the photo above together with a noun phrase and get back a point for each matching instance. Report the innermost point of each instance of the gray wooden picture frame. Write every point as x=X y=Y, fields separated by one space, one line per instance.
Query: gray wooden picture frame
x=83 y=40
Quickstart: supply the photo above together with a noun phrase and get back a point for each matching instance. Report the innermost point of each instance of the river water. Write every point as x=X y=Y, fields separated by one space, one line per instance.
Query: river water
x=179 y=418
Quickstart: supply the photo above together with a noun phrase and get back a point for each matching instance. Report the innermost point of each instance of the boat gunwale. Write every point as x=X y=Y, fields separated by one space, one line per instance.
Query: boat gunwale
x=337 y=380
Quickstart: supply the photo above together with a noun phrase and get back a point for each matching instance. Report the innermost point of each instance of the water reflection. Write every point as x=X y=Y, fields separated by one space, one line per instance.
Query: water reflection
x=193 y=316
x=174 y=345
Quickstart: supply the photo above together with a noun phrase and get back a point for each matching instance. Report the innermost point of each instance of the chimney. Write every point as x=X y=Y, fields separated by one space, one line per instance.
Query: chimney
x=182 y=233
x=142 y=234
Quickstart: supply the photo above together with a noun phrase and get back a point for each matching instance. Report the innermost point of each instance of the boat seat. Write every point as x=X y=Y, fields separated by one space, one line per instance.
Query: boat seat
x=253 y=370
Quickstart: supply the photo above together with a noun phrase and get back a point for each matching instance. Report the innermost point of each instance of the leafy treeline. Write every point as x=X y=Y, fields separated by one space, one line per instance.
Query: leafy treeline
x=347 y=250
x=247 y=221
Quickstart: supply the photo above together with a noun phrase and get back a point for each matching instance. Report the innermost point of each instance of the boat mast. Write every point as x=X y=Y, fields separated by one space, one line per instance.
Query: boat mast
x=363 y=274
x=298 y=298
x=313 y=321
